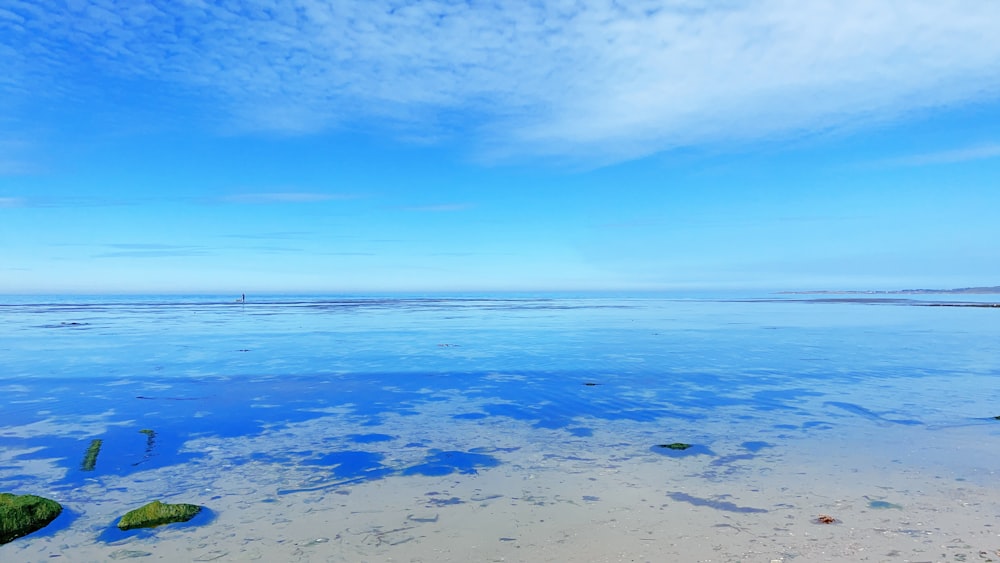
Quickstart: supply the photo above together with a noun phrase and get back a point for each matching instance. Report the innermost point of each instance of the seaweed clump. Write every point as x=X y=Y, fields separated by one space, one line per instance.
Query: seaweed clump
x=90 y=457
x=157 y=513
x=675 y=446
x=21 y=515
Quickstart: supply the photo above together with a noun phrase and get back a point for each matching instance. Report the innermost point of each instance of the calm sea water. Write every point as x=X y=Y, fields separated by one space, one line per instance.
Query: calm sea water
x=309 y=397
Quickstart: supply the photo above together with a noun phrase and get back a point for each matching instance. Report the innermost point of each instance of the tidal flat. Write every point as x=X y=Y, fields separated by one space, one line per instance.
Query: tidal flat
x=505 y=428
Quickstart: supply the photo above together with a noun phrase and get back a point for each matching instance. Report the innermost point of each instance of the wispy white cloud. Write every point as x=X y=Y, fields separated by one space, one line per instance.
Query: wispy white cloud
x=965 y=154
x=142 y=250
x=272 y=235
x=11 y=16
x=271 y=249
x=12 y=167
x=88 y=201
x=148 y=246
x=16 y=155
x=13 y=202
x=594 y=79
x=440 y=208
x=284 y=197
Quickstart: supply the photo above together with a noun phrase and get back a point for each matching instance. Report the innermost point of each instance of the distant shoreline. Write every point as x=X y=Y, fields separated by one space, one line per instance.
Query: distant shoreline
x=960 y=291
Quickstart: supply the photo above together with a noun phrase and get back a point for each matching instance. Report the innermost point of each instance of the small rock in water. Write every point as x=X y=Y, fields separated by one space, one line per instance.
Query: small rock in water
x=675 y=446
x=157 y=513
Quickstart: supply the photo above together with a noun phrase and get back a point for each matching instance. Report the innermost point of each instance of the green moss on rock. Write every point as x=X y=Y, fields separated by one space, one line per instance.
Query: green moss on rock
x=157 y=513
x=21 y=515
x=675 y=446
x=90 y=457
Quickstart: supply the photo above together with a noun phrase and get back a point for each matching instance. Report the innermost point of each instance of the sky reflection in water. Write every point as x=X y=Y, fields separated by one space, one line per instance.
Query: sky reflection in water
x=737 y=380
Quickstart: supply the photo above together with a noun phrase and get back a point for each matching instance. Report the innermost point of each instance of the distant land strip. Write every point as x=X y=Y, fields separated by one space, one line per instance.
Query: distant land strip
x=962 y=291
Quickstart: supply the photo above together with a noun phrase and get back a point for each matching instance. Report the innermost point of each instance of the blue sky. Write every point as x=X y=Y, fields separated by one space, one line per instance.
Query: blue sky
x=382 y=146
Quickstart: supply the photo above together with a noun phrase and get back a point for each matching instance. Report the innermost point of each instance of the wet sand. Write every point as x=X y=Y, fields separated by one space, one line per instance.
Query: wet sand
x=309 y=441
x=606 y=497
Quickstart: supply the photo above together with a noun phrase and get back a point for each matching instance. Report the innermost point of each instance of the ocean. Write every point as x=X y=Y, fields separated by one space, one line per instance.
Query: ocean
x=506 y=427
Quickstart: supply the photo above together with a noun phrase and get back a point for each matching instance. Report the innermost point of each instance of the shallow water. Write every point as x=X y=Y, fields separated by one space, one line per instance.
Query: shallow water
x=504 y=428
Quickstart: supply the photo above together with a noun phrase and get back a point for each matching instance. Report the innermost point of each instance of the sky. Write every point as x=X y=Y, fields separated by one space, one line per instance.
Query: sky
x=570 y=145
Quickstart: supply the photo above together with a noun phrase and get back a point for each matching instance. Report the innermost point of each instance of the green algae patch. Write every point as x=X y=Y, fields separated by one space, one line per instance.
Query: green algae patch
x=881 y=505
x=675 y=446
x=21 y=515
x=157 y=513
x=90 y=456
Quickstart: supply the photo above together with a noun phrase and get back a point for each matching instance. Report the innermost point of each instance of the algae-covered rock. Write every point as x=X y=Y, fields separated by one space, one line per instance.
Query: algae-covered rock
x=90 y=456
x=22 y=514
x=675 y=446
x=157 y=513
